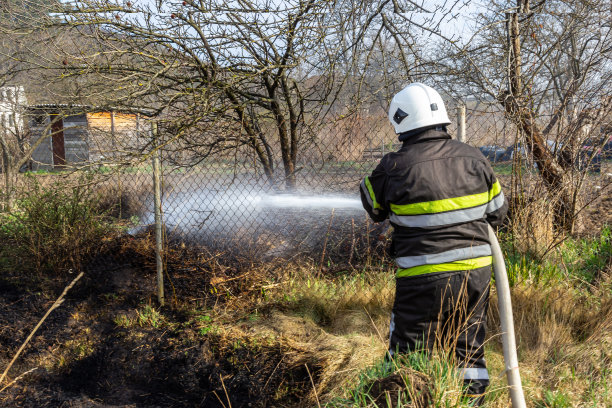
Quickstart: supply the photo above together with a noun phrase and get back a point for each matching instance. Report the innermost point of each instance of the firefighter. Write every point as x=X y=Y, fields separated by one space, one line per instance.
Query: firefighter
x=438 y=194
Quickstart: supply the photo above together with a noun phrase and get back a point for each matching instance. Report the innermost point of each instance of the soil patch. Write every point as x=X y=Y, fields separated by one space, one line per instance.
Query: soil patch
x=407 y=386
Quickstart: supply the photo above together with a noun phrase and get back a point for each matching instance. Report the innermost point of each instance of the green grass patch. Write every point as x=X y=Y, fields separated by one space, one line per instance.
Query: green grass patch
x=579 y=259
x=554 y=399
x=503 y=169
x=413 y=379
x=149 y=316
x=525 y=268
x=585 y=258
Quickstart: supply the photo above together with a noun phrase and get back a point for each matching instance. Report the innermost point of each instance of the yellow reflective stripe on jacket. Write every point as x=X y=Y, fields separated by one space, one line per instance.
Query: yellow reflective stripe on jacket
x=447 y=204
x=372 y=196
x=462 y=265
x=495 y=190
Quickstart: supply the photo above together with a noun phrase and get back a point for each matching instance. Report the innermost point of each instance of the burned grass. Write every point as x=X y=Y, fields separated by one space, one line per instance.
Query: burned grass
x=229 y=336
x=241 y=331
x=149 y=367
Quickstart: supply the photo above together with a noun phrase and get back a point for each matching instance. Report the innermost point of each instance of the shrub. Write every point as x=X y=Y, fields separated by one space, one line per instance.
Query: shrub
x=53 y=228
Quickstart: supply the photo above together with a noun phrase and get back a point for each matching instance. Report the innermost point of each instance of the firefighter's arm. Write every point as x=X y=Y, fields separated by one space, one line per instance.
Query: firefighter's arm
x=497 y=206
x=372 y=194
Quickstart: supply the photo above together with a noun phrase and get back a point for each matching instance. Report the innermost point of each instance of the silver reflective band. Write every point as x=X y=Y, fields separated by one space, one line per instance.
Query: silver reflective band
x=496 y=203
x=445 y=218
x=391 y=328
x=446 y=256
x=474 y=373
x=366 y=192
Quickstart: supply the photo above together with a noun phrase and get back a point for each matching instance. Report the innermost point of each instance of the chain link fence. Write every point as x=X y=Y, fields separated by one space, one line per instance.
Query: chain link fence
x=227 y=197
x=216 y=191
x=213 y=189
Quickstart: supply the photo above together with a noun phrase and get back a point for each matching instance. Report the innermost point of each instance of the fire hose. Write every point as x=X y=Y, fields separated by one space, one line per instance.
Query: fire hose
x=507 y=324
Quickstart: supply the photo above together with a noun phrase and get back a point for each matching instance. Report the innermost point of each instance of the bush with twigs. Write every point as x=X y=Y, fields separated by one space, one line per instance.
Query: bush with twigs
x=54 y=228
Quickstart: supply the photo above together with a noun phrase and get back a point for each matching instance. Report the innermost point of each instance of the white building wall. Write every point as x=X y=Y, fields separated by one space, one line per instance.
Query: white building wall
x=12 y=105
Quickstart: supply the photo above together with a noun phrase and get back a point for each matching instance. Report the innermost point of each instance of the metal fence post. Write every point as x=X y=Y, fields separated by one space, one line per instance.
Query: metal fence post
x=158 y=214
x=461 y=123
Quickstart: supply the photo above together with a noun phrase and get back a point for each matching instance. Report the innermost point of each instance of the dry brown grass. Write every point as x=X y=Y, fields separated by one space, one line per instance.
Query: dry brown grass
x=335 y=359
x=531 y=224
x=123 y=198
x=338 y=325
x=564 y=334
x=335 y=325
x=564 y=337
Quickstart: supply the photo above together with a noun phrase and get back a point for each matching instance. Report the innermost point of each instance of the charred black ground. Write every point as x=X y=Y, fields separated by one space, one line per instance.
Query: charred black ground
x=93 y=361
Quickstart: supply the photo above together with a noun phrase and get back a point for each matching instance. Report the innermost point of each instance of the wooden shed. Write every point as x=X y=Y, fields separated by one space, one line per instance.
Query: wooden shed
x=77 y=135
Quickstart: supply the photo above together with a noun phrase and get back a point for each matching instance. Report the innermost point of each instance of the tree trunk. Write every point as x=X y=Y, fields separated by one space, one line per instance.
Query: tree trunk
x=9 y=185
x=263 y=152
x=288 y=153
x=293 y=125
x=553 y=174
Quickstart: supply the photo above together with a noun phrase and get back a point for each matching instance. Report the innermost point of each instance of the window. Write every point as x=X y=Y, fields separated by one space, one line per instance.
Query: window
x=39 y=119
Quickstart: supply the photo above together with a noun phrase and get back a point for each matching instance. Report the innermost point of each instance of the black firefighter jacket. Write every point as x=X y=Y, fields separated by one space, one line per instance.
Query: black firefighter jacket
x=438 y=194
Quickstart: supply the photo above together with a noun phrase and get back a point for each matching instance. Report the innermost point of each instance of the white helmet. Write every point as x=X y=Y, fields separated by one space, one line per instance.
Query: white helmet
x=417 y=106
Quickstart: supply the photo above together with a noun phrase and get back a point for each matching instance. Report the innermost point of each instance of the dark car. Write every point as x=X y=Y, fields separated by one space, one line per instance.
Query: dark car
x=497 y=154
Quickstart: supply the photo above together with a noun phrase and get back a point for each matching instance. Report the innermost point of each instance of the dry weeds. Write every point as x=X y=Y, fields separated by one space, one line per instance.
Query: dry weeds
x=338 y=325
x=531 y=224
x=564 y=338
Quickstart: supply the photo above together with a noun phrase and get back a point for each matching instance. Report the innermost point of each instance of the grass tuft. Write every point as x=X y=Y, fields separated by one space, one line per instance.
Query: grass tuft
x=410 y=380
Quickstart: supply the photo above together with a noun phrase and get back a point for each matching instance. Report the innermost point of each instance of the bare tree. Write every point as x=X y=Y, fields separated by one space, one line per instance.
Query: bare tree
x=224 y=75
x=548 y=66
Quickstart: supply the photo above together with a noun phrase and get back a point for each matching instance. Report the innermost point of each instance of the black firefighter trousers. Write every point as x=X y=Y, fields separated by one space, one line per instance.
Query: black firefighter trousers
x=448 y=311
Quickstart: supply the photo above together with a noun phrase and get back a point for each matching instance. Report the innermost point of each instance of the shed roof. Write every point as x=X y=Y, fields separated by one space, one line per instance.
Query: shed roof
x=75 y=108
